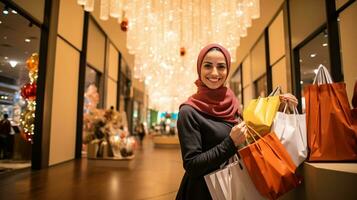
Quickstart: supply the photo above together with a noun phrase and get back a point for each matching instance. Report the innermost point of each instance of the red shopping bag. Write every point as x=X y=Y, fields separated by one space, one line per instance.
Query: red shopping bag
x=269 y=165
x=330 y=130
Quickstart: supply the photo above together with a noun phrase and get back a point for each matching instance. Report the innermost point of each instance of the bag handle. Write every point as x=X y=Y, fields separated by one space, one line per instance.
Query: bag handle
x=250 y=128
x=275 y=91
x=322 y=76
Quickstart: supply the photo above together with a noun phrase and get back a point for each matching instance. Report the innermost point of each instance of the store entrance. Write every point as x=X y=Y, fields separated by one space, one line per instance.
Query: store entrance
x=19 y=47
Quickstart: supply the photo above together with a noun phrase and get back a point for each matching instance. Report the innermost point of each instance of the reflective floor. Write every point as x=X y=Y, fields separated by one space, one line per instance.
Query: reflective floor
x=156 y=175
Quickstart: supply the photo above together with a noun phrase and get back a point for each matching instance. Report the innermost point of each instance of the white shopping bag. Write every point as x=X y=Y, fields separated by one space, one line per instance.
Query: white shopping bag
x=213 y=186
x=242 y=185
x=224 y=179
x=291 y=131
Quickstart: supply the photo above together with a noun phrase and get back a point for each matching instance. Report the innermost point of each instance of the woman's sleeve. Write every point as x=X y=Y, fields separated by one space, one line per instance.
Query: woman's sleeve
x=195 y=161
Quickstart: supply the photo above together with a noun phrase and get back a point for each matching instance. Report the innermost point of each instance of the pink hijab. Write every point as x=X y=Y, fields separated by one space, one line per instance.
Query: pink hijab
x=220 y=102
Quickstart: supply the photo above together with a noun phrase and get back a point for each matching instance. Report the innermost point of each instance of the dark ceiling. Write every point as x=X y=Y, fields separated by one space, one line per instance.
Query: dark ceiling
x=14 y=29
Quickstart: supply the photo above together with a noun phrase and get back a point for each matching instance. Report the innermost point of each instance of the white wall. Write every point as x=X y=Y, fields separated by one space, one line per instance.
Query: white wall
x=64 y=105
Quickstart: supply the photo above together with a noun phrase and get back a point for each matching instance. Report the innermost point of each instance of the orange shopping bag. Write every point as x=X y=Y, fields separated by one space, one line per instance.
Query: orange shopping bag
x=331 y=135
x=269 y=165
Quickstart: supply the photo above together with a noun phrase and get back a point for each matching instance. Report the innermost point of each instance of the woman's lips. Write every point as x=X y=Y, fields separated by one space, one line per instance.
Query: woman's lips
x=213 y=80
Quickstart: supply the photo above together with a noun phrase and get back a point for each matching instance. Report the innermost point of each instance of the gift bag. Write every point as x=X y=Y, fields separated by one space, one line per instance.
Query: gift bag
x=269 y=165
x=224 y=178
x=331 y=135
x=291 y=131
x=260 y=112
x=242 y=185
x=213 y=185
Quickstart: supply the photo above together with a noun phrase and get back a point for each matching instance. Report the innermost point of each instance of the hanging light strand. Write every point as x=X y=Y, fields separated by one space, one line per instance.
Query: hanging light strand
x=166 y=35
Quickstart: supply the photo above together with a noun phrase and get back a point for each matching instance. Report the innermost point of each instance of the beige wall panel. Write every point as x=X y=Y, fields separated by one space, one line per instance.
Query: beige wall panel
x=247 y=71
x=113 y=62
x=268 y=9
x=64 y=105
x=111 y=93
x=248 y=94
x=70 y=26
x=258 y=59
x=348 y=34
x=276 y=39
x=116 y=35
x=279 y=75
x=340 y=3
x=306 y=16
x=36 y=8
x=96 y=46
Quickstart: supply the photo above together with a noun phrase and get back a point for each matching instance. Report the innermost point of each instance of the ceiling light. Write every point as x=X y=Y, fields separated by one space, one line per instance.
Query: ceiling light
x=160 y=53
x=313 y=55
x=27 y=40
x=6 y=57
x=14 y=12
x=13 y=63
x=300 y=60
x=0 y=22
x=315 y=71
x=324 y=44
x=5 y=11
x=301 y=82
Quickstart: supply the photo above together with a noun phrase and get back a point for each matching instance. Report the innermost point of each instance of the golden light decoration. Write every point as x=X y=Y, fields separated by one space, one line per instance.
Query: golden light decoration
x=157 y=29
x=28 y=92
x=32 y=63
x=27 y=121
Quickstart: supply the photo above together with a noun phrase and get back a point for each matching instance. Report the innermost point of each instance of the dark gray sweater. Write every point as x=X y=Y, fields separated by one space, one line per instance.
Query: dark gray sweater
x=205 y=145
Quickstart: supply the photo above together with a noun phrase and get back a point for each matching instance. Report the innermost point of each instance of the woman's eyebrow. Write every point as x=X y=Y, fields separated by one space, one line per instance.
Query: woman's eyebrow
x=208 y=62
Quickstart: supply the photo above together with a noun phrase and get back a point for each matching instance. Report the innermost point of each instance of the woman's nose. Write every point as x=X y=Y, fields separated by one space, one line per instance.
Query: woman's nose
x=214 y=71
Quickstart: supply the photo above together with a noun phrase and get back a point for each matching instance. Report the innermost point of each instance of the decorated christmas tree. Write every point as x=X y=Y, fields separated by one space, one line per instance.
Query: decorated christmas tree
x=28 y=92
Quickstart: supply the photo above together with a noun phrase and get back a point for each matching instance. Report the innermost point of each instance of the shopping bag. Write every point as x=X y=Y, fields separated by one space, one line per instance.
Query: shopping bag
x=331 y=134
x=241 y=184
x=291 y=131
x=224 y=179
x=269 y=165
x=260 y=112
x=213 y=185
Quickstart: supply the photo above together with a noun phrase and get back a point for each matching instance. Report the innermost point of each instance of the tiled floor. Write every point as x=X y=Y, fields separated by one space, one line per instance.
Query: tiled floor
x=156 y=175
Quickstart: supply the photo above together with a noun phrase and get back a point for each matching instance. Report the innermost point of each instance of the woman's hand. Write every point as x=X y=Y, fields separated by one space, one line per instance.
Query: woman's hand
x=237 y=134
x=289 y=99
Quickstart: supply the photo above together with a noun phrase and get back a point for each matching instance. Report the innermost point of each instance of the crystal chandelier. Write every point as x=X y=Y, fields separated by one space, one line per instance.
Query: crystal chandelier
x=166 y=36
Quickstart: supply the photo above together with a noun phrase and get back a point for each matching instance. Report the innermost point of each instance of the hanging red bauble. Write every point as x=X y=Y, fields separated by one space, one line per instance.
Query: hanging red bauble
x=32 y=62
x=124 y=24
x=28 y=91
x=182 y=51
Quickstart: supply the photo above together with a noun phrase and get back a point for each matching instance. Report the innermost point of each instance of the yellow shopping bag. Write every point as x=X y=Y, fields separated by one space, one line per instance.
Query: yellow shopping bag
x=260 y=113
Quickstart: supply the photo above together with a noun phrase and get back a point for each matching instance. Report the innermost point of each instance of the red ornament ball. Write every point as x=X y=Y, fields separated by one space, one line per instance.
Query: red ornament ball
x=182 y=51
x=28 y=91
x=124 y=24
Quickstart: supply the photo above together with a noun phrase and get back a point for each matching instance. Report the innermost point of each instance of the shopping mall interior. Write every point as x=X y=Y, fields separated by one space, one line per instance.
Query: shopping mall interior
x=91 y=89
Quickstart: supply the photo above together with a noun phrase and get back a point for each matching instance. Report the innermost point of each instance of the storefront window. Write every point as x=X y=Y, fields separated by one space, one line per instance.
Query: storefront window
x=236 y=84
x=19 y=48
x=311 y=55
x=260 y=86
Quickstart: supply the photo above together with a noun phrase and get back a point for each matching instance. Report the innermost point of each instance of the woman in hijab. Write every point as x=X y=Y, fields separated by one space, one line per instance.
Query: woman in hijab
x=207 y=122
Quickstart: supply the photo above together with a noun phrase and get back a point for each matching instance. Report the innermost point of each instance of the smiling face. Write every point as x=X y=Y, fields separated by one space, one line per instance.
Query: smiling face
x=214 y=69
